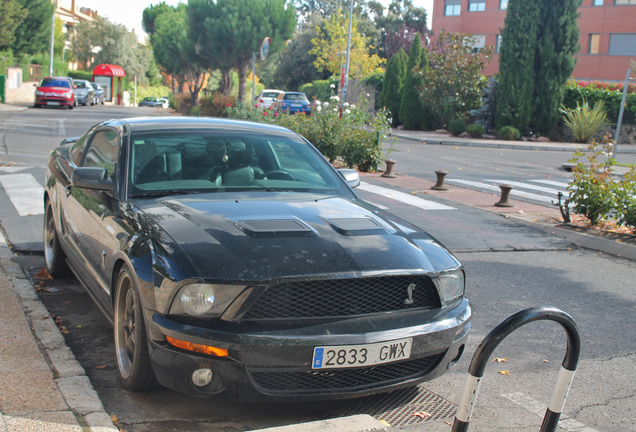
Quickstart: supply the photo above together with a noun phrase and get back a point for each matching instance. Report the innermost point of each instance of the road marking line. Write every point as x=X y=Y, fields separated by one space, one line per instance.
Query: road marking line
x=25 y=193
x=404 y=197
x=553 y=183
x=12 y=169
x=539 y=409
x=526 y=186
x=491 y=187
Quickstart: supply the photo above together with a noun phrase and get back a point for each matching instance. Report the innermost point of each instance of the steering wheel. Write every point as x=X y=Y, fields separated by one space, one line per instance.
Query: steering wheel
x=278 y=175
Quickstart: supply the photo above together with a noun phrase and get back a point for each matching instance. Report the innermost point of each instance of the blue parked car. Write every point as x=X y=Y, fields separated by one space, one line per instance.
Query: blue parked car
x=292 y=102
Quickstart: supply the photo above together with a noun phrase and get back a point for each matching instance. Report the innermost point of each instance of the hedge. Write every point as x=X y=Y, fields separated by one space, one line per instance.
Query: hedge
x=576 y=94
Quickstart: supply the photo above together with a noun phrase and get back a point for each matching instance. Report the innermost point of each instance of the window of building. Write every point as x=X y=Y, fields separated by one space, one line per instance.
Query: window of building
x=476 y=5
x=622 y=44
x=498 y=44
x=503 y=4
x=452 y=7
x=479 y=43
x=625 y=2
x=593 y=42
x=598 y=2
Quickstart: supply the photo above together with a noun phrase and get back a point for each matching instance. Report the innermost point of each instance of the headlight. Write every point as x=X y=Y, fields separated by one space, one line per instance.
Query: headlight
x=204 y=299
x=68 y=95
x=450 y=286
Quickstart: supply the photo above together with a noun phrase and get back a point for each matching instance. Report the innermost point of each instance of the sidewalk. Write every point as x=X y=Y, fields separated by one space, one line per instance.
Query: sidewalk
x=44 y=388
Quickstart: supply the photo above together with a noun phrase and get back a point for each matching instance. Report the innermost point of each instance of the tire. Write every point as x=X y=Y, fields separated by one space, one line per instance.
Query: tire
x=54 y=256
x=131 y=342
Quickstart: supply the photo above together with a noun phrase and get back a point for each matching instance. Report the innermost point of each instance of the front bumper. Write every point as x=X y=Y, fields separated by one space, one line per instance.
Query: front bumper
x=275 y=363
x=53 y=101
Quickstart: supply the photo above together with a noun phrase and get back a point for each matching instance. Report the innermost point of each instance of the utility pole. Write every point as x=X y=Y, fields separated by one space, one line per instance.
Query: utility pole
x=52 y=42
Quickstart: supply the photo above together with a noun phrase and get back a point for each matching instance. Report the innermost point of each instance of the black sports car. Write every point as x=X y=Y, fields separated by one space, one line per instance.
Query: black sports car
x=231 y=258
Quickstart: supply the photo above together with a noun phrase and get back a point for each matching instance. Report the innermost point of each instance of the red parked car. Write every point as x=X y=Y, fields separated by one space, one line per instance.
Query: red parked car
x=55 y=91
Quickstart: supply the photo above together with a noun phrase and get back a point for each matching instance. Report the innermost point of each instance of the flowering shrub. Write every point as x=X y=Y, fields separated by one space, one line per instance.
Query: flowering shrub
x=592 y=192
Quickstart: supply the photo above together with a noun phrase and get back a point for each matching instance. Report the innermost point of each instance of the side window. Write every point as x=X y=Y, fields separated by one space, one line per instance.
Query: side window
x=78 y=149
x=103 y=151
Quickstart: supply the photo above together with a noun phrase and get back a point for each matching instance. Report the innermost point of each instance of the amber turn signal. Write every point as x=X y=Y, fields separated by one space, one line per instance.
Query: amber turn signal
x=203 y=349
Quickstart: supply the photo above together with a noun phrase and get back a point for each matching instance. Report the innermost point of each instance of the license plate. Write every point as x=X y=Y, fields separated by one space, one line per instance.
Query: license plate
x=347 y=356
x=296 y=105
x=53 y=103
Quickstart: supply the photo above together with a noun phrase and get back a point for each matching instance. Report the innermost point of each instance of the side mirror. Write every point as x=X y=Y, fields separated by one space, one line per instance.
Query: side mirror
x=91 y=178
x=351 y=176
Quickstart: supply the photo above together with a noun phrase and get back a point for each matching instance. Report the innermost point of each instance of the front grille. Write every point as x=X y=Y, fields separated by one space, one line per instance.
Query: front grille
x=345 y=297
x=346 y=379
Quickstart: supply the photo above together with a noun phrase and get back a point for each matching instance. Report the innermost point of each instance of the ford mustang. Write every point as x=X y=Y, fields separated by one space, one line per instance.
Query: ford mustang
x=232 y=259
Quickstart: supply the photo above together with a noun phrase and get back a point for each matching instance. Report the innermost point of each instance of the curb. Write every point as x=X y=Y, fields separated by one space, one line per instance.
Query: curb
x=355 y=423
x=524 y=145
x=69 y=376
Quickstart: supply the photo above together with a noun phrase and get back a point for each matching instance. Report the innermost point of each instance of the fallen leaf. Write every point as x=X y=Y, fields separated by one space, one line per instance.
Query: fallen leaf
x=422 y=414
x=500 y=360
x=448 y=423
x=79 y=326
x=385 y=423
x=504 y=372
x=546 y=361
x=43 y=274
x=101 y=367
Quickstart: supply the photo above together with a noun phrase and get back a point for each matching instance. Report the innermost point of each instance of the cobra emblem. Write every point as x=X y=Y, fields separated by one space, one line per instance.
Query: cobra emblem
x=409 y=293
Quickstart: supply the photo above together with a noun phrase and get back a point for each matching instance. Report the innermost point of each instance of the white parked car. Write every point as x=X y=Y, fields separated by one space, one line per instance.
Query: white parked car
x=266 y=98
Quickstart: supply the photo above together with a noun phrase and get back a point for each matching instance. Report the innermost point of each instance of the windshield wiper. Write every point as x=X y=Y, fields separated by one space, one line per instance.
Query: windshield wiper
x=163 y=193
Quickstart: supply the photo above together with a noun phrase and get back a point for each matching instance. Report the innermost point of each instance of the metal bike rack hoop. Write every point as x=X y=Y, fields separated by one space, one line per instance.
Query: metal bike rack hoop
x=494 y=338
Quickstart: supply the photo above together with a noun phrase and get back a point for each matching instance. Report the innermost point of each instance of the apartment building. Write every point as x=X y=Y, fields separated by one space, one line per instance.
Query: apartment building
x=608 y=32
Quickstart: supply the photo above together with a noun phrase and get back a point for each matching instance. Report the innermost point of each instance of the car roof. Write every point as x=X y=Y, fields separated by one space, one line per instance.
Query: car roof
x=167 y=124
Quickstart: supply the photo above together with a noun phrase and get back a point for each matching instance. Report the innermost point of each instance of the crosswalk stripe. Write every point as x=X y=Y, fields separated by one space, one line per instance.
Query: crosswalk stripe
x=491 y=187
x=403 y=197
x=552 y=183
x=25 y=193
x=525 y=186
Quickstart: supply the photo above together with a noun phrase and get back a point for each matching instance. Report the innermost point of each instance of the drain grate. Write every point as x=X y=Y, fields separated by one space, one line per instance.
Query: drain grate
x=397 y=408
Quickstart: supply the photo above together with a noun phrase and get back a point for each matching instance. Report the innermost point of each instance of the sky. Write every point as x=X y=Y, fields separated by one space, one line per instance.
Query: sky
x=129 y=12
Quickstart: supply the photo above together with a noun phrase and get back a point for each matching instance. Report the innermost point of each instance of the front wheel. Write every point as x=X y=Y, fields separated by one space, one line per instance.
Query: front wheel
x=131 y=342
x=53 y=254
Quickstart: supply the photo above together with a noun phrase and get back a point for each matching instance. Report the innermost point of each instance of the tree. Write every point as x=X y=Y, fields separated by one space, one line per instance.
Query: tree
x=390 y=96
x=399 y=26
x=453 y=84
x=295 y=64
x=330 y=47
x=229 y=31
x=541 y=50
x=11 y=16
x=411 y=109
x=33 y=34
x=557 y=43
x=176 y=52
x=515 y=88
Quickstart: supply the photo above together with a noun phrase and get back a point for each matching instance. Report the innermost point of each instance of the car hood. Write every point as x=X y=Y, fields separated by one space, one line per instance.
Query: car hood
x=261 y=238
x=54 y=89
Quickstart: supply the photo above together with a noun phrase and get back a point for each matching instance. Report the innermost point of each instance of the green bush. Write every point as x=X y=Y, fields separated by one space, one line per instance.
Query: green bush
x=509 y=133
x=457 y=127
x=626 y=199
x=475 y=130
x=81 y=74
x=592 y=191
x=575 y=95
x=320 y=90
x=585 y=121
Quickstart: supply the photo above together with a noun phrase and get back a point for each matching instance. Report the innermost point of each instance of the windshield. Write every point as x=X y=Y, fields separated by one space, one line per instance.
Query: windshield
x=50 y=82
x=296 y=96
x=195 y=162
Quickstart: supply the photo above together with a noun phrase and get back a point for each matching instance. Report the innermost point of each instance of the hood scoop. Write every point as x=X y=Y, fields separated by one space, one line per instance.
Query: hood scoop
x=356 y=226
x=270 y=228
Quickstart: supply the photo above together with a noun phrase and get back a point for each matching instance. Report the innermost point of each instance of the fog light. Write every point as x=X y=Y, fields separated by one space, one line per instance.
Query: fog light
x=202 y=377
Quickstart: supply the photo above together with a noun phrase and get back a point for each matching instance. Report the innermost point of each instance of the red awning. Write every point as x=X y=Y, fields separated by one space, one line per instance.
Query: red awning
x=109 y=70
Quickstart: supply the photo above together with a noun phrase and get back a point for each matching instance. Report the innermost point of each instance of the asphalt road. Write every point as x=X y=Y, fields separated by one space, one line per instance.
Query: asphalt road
x=510 y=266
